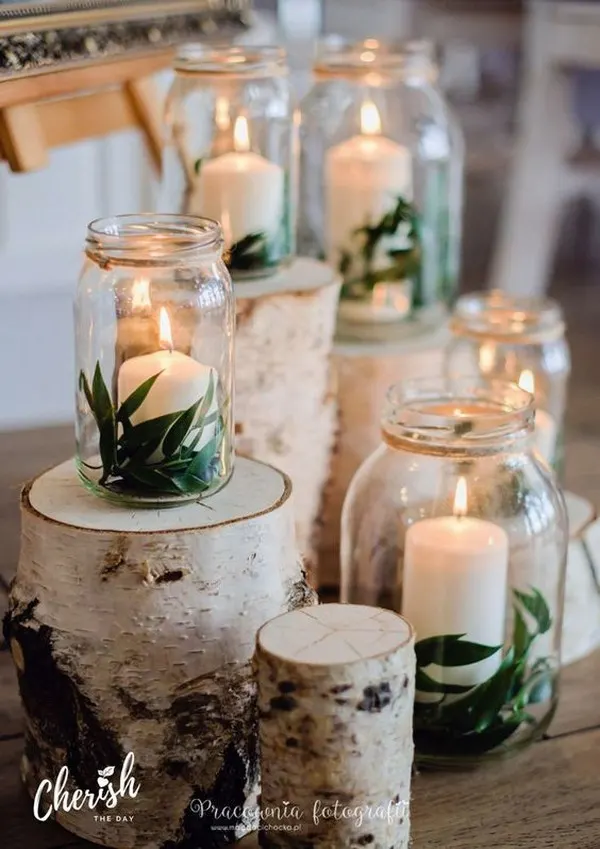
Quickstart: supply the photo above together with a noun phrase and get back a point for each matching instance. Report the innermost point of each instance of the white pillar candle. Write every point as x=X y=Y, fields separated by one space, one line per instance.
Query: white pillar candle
x=455 y=577
x=364 y=176
x=546 y=428
x=241 y=189
x=182 y=382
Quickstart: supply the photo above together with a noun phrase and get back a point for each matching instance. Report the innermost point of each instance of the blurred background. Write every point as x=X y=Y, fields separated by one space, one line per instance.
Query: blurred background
x=522 y=79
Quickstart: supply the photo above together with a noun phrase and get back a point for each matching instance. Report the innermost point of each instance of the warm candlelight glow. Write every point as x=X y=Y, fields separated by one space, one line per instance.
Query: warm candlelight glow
x=460 y=499
x=370 y=120
x=140 y=298
x=367 y=56
x=241 y=134
x=527 y=381
x=165 y=335
x=222 y=119
x=487 y=357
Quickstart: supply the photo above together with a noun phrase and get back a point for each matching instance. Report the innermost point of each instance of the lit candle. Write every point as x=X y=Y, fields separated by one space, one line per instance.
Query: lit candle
x=388 y=302
x=241 y=189
x=455 y=576
x=182 y=381
x=364 y=177
x=546 y=430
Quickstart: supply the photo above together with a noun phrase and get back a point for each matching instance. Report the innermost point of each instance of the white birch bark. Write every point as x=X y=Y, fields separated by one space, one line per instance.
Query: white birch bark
x=133 y=631
x=336 y=691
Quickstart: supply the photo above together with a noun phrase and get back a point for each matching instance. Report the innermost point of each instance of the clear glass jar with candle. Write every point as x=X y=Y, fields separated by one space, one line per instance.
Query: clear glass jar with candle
x=381 y=189
x=521 y=340
x=229 y=150
x=154 y=333
x=455 y=523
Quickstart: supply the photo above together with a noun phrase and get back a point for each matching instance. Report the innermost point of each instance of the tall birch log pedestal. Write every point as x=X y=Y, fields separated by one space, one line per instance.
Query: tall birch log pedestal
x=133 y=631
x=365 y=371
x=285 y=405
x=335 y=694
x=581 y=620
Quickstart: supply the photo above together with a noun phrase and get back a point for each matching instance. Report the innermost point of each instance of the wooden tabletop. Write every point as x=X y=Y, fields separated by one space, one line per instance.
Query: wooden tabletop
x=545 y=798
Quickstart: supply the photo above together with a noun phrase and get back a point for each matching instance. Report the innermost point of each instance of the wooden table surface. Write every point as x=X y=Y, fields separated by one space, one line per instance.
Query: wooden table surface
x=545 y=798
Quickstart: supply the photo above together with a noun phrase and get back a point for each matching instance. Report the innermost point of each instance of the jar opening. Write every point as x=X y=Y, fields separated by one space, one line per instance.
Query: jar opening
x=336 y=57
x=462 y=415
x=501 y=317
x=225 y=60
x=151 y=239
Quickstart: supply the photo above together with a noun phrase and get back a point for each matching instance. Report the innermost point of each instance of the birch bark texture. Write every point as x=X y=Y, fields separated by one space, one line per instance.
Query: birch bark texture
x=285 y=406
x=133 y=631
x=365 y=371
x=336 y=690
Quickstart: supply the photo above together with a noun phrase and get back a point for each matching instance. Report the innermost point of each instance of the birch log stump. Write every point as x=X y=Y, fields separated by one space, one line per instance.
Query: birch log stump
x=581 y=620
x=365 y=371
x=335 y=693
x=133 y=631
x=285 y=406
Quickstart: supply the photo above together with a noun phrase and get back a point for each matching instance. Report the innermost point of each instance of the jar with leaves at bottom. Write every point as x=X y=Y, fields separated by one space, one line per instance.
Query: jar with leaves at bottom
x=154 y=326
x=456 y=524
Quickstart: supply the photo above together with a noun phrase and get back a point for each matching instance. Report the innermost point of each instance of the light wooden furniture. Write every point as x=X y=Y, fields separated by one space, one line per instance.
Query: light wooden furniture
x=558 y=37
x=42 y=112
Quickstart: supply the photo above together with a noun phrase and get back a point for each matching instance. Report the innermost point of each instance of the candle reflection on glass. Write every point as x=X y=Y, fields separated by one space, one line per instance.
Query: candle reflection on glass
x=546 y=430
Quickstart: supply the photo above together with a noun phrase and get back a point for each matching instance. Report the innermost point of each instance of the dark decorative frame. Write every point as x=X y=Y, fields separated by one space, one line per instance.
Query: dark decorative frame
x=41 y=37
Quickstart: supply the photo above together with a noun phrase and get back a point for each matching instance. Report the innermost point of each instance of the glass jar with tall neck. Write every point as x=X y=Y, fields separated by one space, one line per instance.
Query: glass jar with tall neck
x=518 y=339
x=455 y=523
x=381 y=189
x=229 y=151
x=154 y=330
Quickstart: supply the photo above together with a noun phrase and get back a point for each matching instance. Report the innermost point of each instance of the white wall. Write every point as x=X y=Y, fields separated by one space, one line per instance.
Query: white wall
x=43 y=218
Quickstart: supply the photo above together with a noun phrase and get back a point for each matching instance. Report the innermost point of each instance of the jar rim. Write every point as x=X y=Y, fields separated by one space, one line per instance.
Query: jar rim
x=464 y=415
x=372 y=57
x=497 y=316
x=150 y=239
x=226 y=60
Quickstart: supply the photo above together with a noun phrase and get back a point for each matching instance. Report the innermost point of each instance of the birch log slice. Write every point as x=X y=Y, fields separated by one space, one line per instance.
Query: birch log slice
x=133 y=631
x=365 y=371
x=336 y=692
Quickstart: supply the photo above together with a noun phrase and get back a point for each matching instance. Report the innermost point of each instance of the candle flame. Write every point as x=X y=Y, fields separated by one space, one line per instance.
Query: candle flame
x=527 y=381
x=222 y=119
x=367 y=56
x=487 y=357
x=370 y=120
x=165 y=335
x=241 y=134
x=460 y=499
x=140 y=294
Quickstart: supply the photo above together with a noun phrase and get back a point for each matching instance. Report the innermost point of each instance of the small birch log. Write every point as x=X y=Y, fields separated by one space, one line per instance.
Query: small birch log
x=285 y=406
x=365 y=371
x=336 y=691
x=133 y=631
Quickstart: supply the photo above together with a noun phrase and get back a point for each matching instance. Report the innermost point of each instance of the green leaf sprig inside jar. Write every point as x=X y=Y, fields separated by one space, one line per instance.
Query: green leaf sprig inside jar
x=229 y=150
x=381 y=189
x=154 y=319
x=455 y=523
x=519 y=339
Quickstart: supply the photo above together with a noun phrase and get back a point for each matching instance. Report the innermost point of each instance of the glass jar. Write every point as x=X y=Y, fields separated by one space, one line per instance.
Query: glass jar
x=154 y=329
x=521 y=340
x=454 y=523
x=229 y=150
x=381 y=190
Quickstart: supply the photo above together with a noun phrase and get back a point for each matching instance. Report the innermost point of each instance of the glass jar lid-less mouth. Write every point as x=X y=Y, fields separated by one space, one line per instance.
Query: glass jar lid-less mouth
x=151 y=239
x=503 y=318
x=466 y=415
x=227 y=61
x=337 y=57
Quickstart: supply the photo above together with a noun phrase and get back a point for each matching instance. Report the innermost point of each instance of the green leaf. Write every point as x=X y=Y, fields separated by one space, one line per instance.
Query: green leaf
x=198 y=165
x=199 y=466
x=152 y=430
x=451 y=650
x=179 y=430
x=426 y=684
x=85 y=386
x=536 y=606
x=478 y=709
x=249 y=254
x=522 y=639
x=151 y=479
x=442 y=741
x=136 y=399
x=105 y=418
